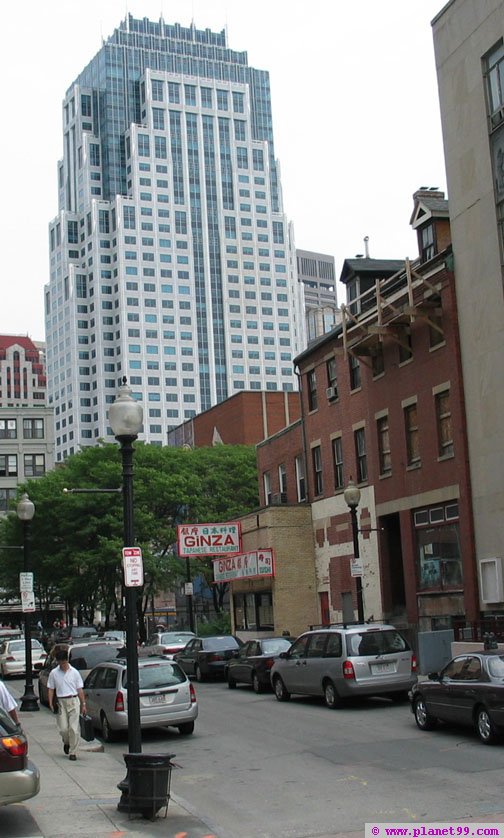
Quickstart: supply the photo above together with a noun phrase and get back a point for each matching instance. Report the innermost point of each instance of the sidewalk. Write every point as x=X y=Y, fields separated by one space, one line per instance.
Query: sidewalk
x=80 y=798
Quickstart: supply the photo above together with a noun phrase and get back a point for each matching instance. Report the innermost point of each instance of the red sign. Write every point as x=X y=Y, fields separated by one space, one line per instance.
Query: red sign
x=133 y=567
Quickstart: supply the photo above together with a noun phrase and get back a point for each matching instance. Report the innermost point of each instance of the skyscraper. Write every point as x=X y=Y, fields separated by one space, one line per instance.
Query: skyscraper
x=171 y=259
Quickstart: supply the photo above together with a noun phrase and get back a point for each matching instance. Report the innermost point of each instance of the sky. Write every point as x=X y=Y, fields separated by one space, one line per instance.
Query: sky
x=355 y=118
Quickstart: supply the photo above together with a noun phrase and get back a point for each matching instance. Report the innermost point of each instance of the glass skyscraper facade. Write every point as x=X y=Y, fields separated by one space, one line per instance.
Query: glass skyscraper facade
x=171 y=259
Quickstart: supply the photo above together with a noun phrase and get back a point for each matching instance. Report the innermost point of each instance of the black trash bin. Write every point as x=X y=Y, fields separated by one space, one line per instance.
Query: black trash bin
x=149 y=780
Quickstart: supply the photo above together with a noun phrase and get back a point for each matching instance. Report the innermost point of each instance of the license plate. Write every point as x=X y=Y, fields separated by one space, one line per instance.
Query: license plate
x=157 y=699
x=382 y=668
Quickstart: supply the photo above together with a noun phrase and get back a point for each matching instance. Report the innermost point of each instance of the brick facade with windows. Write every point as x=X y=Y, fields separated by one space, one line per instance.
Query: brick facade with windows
x=401 y=426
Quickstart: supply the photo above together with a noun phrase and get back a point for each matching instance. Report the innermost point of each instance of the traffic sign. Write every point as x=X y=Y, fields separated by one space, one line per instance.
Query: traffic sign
x=133 y=567
x=27 y=601
x=189 y=589
x=26 y=581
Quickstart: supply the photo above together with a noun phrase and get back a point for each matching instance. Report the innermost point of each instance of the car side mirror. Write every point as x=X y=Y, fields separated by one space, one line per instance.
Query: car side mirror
x=434 y=676
x=79 y=663
x=283 y=655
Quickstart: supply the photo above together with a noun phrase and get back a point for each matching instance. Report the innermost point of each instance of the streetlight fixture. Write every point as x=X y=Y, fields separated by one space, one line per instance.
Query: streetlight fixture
x=25 y=511
x=126 y=417
x=352 y=497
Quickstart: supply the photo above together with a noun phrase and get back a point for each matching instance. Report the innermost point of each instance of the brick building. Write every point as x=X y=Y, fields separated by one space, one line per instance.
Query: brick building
x=382 y=403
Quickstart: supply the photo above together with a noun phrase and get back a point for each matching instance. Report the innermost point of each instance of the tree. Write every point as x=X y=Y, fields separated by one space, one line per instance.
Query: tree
x=77 y=539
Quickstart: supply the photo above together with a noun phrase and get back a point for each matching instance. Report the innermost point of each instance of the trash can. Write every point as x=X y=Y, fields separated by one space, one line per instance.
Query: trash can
x=149 y=780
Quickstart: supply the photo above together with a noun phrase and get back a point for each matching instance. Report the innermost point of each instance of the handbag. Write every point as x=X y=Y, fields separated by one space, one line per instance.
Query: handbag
x=86 y=728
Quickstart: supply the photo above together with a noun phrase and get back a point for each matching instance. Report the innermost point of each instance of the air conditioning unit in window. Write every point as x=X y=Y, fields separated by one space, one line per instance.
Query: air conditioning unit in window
x=331 y=393
x=277 y=498
x=491 y=580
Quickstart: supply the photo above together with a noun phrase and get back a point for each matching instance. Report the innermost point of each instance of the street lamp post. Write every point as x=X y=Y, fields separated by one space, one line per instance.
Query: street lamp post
x=352 y=497
x=125 y=417
x=25 y=512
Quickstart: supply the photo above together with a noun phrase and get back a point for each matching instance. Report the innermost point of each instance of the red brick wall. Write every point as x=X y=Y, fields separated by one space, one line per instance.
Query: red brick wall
x=240 y=419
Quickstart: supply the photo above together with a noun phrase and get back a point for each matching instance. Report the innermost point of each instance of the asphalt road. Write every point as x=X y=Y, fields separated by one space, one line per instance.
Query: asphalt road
x=257 y=768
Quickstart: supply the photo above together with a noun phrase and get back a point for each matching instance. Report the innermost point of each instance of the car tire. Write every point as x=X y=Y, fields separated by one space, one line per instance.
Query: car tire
x=4 y=674
x=423 y=719
x=198 y=674
x=256 y=684
x=281 y=693
x=186 y=728
x=108 y=735
x=231 y=682
x=42 y=696
x=331 y=696
x=485 y=728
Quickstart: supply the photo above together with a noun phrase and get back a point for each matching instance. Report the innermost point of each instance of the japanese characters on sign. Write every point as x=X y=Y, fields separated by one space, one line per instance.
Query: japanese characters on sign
x=245 y=566
x=209 y=539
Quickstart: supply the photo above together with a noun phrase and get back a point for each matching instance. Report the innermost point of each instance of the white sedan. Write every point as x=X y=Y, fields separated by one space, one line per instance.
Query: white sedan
x=12 y=657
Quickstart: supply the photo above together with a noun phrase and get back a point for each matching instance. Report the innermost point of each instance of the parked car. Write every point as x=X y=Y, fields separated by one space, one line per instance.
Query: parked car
x=167 y=697
x=19 y=778
x=12 y=657
x=83 y=656
x=113 y=634
x=72 y=634
x=346 y=661
x=206 y=657
x=10 y=634
x=166 y=643
x=468 y=691
x=253 y=662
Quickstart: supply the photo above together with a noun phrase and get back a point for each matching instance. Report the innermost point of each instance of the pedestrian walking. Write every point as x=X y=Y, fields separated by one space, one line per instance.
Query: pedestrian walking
x=64 y=690
x=7 y=703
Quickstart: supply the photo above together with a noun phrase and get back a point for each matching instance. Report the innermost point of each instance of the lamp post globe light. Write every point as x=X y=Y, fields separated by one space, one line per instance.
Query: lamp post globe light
x=126 y=418
x=352 y=497
x=25 y=511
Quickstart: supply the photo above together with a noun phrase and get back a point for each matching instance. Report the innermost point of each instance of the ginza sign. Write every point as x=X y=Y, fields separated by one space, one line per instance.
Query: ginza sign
x=246 y=566
x=209 y=539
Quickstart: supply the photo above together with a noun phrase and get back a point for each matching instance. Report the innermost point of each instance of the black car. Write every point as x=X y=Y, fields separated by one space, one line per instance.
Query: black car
x=252 y=664
x=206 y=657
x=468 y=691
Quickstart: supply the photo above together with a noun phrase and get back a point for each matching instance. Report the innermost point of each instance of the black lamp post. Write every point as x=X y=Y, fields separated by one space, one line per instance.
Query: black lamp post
x=352 y=497
x=126 y=417
x=25 y=512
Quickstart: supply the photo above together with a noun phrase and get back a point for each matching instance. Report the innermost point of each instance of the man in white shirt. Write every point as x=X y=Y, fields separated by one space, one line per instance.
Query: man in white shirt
x=7 y=703
x=65 y=683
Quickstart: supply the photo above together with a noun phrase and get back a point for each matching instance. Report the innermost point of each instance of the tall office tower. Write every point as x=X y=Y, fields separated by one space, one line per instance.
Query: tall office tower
x=316 y=272
x=171 y=259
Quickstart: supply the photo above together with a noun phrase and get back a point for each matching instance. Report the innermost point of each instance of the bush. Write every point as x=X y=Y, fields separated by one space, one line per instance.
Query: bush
x=221 y=624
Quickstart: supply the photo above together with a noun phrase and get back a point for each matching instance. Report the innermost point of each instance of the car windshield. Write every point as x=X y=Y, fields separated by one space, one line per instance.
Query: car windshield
x=159 y=674
x=496 y=666
x=91 y=655
x=212 y=644
x=372 y=642
x=19 y=645
x=275 y=645
x=176 y=637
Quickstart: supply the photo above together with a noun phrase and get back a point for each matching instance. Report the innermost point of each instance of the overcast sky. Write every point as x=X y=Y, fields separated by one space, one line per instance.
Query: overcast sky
x=355 y=116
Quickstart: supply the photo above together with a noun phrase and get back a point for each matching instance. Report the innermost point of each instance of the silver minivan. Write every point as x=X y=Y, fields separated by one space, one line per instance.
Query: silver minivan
x=341 y=662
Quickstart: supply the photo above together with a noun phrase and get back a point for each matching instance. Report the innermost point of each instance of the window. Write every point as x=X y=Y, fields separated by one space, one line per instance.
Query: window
x=355 y=372
x=317 y=470
x=8 y=465
x=377 y=361
x=267 y=487
x=332 y=379
x=411 y=429
x=444 y=424
x=33 y=428
x=143 y=145
x=337 y=451
x=34 y=465
x=436 y=332
x=242 y=157
x=158 y=120
x=282 y=480
x=6 y=496
x=94 y=154
x=382 y=428
x=222 y=100
x=311 y=380
x=360 y=454
x=405 y=346
x=495 y=83
x=103 y=221
x=157 y=90
x=427 y=245
x=439 y=562
x=206 y=97
x=8 y=428
x=300 y=479
x=174 y=92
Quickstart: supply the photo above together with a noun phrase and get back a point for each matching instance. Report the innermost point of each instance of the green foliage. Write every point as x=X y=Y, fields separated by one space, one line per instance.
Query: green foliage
x=220 y=625
x=76 y=539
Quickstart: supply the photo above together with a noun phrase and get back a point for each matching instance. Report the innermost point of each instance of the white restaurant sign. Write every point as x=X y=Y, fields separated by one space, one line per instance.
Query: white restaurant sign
x=209 y=539
x=245 y=566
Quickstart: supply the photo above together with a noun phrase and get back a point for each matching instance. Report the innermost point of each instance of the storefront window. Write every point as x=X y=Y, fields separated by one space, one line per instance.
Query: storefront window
x=253 y=611
x=439 y=560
